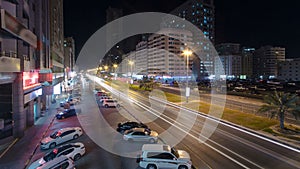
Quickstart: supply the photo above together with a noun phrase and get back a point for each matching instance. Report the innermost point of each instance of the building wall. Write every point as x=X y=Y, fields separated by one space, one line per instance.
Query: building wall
x=69 y=52
x=289 y=70
x=247 y=62
x=228 y=48
x=266 y=60
x=141 y=58
x=232 y=65
x=32 y=54
x=201 y=13
x=165 y=52
x=56 y=35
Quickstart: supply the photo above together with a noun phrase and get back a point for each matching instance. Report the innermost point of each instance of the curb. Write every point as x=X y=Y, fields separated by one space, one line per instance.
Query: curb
x=38 y=144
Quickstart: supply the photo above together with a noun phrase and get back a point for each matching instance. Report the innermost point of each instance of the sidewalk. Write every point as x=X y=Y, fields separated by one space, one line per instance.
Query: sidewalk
x=18 y=156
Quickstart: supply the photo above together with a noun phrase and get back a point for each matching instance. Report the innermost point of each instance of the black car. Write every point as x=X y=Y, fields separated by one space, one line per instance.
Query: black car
x=122 y=127
x=66 y=113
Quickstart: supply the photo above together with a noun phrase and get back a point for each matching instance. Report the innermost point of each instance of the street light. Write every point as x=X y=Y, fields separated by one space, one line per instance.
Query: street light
x=106 y=68
x=115 y=66
x=131 y=63
x=187 y=53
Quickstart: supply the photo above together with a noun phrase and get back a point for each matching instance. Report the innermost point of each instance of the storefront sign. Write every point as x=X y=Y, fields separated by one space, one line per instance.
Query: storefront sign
x=30 y=79
x=13 y=26
x=31 y=96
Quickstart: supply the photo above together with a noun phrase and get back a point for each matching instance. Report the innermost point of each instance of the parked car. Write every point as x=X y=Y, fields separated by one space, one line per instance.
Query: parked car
x=141 y=134
x=102 y=98
x=155 y=156
x=66 y=113
x=62 y=162
x=122 y=127
x=110 y=103
x=100 y=93
x=71 y=101
x=72 y=150
x=61 y=136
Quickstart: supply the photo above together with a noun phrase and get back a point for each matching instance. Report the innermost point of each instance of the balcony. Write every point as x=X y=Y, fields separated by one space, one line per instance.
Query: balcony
x=10 y=63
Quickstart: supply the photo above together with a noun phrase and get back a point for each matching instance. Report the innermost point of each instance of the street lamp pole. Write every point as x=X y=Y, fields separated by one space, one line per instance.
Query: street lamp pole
x=115 y=66
x=187 y=53
x=131 y=63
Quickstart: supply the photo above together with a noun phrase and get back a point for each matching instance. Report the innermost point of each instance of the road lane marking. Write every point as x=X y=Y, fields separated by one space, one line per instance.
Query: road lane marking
x=207 y=117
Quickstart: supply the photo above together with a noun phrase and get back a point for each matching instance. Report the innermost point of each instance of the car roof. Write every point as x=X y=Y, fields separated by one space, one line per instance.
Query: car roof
x=55 y=161
x=138 y=129
x=156 y=147
x=131 y=122
x=68 y=128
x=111 y=100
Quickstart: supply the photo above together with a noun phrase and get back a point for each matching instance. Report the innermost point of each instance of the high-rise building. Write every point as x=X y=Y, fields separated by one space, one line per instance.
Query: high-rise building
x=24 y=50
x=113 y=33
x=56 y=36
x=289 y=70
x=228 y=48
x=247 y=61
x=141 y=58
x=128 y=65
x=201 y=13
x=69 y=45
x=265 y=61
x=165 y=52
x=231 y=65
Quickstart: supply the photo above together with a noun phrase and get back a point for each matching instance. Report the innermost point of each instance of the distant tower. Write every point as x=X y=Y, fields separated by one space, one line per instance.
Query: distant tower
x=114 y=55
x=201 y=13
x=265 y=61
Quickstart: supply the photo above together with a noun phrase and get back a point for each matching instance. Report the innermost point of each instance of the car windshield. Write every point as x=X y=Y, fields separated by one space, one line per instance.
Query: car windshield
x=49 y=156
x=175 y=152
x=55 y=134
x=128 y=131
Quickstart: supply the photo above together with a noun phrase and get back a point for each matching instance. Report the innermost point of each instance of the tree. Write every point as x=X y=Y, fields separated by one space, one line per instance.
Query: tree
x=280 y=103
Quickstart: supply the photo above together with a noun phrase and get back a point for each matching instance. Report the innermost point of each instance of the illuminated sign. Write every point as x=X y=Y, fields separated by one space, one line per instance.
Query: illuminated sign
x=56 y=89
x=30 y=79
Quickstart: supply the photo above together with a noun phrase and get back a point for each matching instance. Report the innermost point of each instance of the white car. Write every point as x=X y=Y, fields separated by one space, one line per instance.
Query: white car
x=62 y=162
x=156 y=156
x=102 y=98
x=61 y=136
x=141 y=134
x=110 y=103
x=73 y=150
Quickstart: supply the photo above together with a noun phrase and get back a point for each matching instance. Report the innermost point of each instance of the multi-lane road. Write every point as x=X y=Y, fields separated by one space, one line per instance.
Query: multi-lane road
x=218 y=146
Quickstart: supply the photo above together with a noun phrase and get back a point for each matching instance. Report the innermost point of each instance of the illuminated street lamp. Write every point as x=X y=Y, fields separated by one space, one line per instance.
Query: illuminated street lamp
x=131 y=64
x=187 y=53
x=115 y=67
x=105 y=68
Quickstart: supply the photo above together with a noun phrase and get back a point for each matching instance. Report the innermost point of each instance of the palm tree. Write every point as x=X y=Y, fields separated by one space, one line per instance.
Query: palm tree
x=280 y=103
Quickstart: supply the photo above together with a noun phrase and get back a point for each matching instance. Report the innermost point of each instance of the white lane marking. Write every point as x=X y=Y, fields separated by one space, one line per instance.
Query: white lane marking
x=204 y=116
x=231 y=126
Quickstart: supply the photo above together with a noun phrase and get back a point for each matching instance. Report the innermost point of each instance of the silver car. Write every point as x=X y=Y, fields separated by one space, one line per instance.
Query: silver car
x=141 y=134
x=61 y=136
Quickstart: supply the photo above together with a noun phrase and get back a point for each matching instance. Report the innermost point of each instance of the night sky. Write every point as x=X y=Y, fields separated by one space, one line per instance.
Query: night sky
x=251 y=23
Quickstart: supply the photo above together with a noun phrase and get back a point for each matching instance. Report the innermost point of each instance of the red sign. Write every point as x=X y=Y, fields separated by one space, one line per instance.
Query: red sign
x=46 y=77
x=30 y=79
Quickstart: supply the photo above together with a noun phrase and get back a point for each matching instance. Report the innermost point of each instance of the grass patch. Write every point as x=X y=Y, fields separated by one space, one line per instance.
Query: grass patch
x=251 y=121
x=173 y=97
x=268 y=130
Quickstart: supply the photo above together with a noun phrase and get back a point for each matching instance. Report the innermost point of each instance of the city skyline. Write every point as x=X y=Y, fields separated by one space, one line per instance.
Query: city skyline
x=244 y=22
